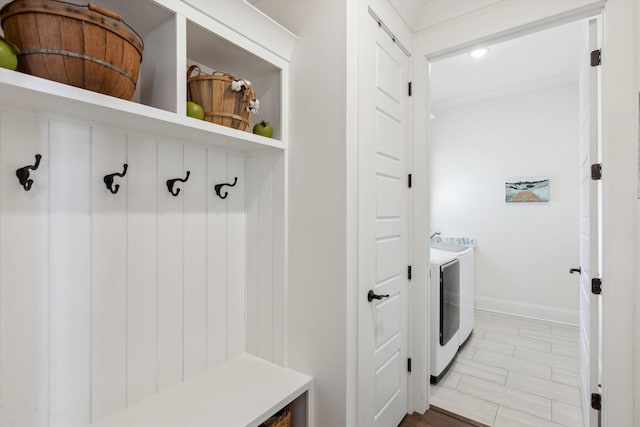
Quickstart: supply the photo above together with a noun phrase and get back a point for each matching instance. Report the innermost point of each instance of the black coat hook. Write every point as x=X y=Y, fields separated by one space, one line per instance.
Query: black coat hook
x=23 y=173
x=108 y=179
x=218 y=188
x=171 y=183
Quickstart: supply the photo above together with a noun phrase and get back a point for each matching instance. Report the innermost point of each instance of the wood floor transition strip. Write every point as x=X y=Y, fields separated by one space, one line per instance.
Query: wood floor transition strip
x=438 y=417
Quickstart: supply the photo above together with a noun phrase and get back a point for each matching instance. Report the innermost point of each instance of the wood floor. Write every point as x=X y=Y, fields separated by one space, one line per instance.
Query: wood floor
x=438 y=417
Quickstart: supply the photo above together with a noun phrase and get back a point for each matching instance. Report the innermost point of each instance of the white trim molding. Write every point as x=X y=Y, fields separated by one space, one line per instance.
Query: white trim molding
x=532 y=311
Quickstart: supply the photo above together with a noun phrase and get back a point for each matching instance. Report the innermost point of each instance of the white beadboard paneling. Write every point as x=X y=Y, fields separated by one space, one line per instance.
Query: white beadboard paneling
x=264 y=249
x=236 y=258
x=217 y=312
x=195 y=262
x=142 y=187
x=170 y=265
x=69 y=274
x=109 y=274
x=252 y=254
x=140 y=289
x=23 y=273
x=266 y=277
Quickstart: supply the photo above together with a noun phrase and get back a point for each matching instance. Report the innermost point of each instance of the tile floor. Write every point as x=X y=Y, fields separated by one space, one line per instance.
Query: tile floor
x=515 y=372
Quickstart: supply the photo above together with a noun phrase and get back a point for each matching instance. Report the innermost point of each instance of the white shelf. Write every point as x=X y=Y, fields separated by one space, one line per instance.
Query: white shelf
x=29 y=93
x=245 y=391
x=175 y=34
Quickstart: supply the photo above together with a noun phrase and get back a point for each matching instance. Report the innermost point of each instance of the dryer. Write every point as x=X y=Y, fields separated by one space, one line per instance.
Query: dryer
x=445 y=311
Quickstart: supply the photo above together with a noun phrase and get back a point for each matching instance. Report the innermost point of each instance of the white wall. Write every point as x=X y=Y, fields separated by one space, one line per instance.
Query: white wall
x=317 y=206
x=524 y=250
x=636 y=349
x=619 y=133
x=323 y=186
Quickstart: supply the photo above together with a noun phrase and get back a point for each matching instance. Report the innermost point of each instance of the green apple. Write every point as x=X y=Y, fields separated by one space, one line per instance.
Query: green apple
x=195 y=110
x=8 y=55
x=263 y=128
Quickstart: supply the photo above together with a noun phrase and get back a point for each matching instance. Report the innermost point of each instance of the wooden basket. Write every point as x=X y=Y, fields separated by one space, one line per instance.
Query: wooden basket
x=282 y=419
x=83 y=46
x=221 y=104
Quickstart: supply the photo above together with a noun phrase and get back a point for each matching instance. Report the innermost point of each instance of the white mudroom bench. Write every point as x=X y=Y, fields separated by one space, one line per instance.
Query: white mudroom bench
x=243 y=392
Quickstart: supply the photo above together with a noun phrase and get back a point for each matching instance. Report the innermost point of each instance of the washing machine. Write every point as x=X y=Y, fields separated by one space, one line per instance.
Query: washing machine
x=445 y=311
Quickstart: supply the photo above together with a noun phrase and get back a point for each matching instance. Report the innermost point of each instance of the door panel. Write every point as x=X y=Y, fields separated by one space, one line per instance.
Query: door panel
x=387 y=129
x=383 y=235
x=388 y=320
x=589 y=214
x=389 y=197
x=388 y=68
x=387 y=375
x=388 y=257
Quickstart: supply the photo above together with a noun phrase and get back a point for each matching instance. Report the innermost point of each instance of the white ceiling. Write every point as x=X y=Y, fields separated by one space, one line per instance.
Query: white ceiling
x=542 y=59
x=418 y=14
x=421 y=14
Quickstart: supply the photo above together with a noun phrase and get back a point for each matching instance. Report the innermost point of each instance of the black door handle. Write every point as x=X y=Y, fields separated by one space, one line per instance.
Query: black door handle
x=575 y=270
x=372 y=295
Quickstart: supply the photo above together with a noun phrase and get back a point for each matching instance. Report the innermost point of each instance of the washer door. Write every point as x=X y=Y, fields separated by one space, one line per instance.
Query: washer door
x=449 y=300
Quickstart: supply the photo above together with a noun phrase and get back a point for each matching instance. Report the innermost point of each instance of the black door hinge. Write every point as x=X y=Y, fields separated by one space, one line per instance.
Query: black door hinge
x=596 y=286
x=596 y=171
x=409 y=87
x=596 y=401
x=409 y=364
x=409 y=181
x=409 y=272
x=596 y=57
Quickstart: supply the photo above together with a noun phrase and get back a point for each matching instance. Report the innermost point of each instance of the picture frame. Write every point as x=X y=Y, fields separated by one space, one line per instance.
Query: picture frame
x=530 y=190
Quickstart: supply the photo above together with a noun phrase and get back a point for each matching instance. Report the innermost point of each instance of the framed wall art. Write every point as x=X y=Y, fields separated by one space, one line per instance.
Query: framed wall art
x=526 y=191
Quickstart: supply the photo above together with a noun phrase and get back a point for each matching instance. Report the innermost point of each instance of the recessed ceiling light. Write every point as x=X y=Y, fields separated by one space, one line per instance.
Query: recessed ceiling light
x=479 y=53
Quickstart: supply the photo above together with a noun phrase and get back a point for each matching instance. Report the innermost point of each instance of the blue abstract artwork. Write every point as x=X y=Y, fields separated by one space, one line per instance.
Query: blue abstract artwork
x=526 y=191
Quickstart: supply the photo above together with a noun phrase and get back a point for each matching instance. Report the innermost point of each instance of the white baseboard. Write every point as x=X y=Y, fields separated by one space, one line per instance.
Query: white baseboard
x=533 y=311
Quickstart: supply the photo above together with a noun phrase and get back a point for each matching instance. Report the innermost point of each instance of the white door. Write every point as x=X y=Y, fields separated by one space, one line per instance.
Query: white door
x=590 y=191
x=383 y=236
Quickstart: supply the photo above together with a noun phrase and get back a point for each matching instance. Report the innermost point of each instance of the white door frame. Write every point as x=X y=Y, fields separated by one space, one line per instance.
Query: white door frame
x=502 y=37
x=616 y=385
x=400 y=29
x=383 y=325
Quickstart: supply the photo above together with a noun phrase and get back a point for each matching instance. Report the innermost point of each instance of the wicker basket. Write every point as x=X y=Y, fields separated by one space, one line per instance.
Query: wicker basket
x=83 y=46
x=221 y=104
x=281 y=419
